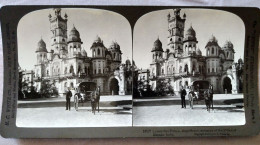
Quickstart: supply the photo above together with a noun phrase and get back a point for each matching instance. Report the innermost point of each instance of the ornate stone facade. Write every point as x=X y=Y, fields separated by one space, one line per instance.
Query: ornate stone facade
x=67 y=63
x=182 y=62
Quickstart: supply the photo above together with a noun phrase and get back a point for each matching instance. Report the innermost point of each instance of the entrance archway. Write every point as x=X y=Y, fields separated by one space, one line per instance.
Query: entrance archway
x=227 y=85
x=114 y=87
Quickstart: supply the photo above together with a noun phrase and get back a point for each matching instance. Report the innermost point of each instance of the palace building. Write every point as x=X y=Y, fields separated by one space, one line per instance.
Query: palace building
x=183 y=62
x=67 y=63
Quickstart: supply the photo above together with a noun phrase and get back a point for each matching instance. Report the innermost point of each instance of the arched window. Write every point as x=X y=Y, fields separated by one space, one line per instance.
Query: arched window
x=186 y=84
x=180 y=85
x=179 y=39
x=71 y=69
x=47 y=72
x=63 y=40
x=186 y=68
x=71 y=85
x=162 y=71
x=79 y=69
x=180 y=70
x=193 y=67
x=153 y=56
x=212 y=50
x=94 y=53
x=86 y=70
x=98 y=52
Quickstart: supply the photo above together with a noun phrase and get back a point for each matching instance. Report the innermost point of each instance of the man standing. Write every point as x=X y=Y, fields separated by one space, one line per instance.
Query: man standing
x=183 y=94
x=68 y=96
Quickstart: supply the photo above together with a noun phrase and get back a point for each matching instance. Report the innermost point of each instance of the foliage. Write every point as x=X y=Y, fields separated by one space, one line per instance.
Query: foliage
x=48 y=89
x=163 y=88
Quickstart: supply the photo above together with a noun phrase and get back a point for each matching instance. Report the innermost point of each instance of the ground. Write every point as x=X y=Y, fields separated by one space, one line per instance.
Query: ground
x=114 y=111
x=167 y=111
x=117 y=111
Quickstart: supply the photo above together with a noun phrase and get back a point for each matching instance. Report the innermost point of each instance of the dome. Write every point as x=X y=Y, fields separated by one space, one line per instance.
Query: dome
x=190 y=35
x=212 y=42
x=83 y=52
x=97 y=42
x=114 y=46
x=240 y=60
x=191 y=32
x=128 y=62
x=198 y=52
x=228 y=46
x=74 y=35
x=157 y=46
x=41 y=46
x=98 y=39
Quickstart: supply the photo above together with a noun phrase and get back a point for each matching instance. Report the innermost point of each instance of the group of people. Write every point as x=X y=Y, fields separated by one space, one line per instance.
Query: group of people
x=183 y=93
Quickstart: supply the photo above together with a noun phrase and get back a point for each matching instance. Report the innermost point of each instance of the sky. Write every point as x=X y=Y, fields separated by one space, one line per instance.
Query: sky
x=223 y=25
x=109 y=26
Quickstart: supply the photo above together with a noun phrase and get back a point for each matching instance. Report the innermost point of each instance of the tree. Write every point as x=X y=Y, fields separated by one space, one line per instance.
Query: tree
x=163 y=88
x=48 y=89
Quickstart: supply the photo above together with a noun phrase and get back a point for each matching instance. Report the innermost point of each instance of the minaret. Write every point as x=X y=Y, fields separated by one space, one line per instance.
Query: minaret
x=176 y=31
x=157 y=50
x=190 y=42
x=74 y=43
x=58 y=26
x=41 y=52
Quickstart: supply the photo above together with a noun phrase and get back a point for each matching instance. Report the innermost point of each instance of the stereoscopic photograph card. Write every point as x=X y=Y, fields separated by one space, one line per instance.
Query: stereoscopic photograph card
x=129 y=71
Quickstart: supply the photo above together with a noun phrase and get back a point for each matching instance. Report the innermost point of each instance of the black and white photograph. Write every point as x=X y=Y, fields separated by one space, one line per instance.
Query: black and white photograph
x=193 y=69
x=75 y=69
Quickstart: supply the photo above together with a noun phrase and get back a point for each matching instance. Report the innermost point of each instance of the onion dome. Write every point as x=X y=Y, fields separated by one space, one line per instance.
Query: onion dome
x=212 y=42
x=228 y=46
x=114 y=46
x=190 y=35
x=157 y=46
x=198 y=52
x=74 y=35
x=128 y=62
x=98 y=39
x=41 y=46
x=83 y=52
x=97 y=42
x=240 y=60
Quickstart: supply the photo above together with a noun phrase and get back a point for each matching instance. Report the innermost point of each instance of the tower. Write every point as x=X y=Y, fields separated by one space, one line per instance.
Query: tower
x=74 y=43
x=176 y=31
x=157 y=50
x=41 y=52
x=212 y=55
x=229 y=50
x=116 y=55
x=58 y=26
x=190 y=42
